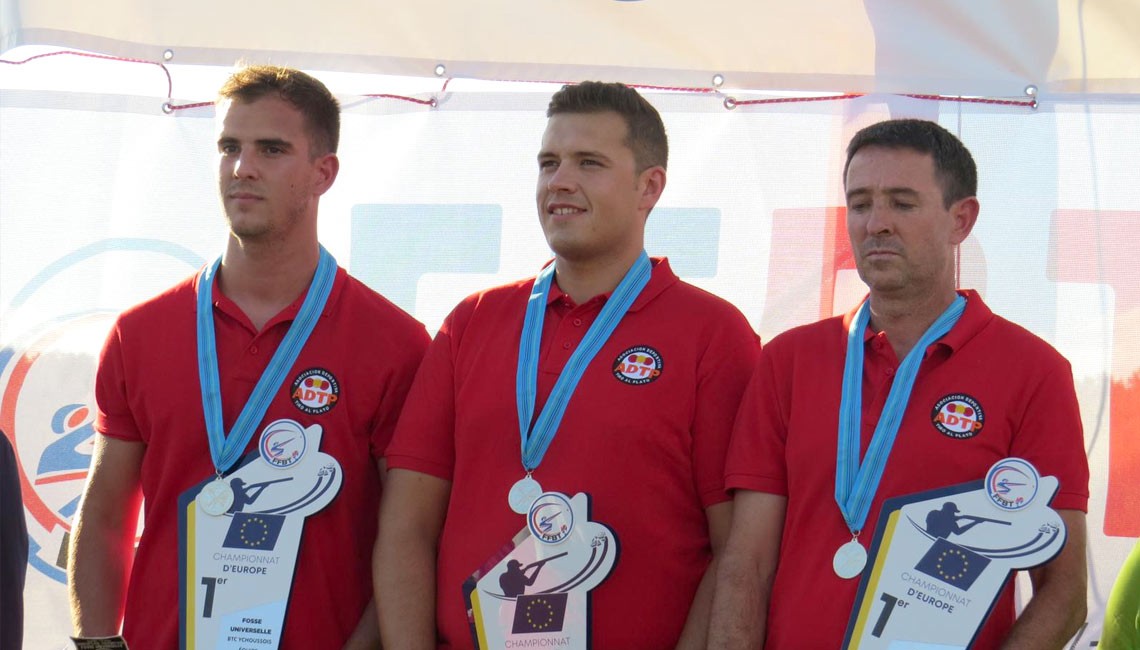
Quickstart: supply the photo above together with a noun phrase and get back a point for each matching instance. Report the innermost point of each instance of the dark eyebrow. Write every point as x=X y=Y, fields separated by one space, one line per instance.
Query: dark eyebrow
x=265 y=142
x=893 y=191
x=591 y=154
x=275 y=142
x=577 y=154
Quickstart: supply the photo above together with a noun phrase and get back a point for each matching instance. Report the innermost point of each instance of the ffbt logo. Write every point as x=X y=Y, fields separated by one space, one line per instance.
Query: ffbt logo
x=315 y=391
x=638 y=365
x=959 y=416
x=1011 y=484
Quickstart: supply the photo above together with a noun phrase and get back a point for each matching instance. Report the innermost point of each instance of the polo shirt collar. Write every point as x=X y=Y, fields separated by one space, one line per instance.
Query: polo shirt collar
x=228 y=307
x=974 y=318
x=660 y=279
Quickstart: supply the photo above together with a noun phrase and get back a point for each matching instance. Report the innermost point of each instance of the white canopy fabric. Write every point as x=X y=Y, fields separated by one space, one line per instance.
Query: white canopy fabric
x=956 y=47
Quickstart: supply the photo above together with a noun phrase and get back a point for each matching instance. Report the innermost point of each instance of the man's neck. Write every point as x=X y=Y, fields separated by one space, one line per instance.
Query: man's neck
x=264 y=279
x=584 y=279
x=906 y=318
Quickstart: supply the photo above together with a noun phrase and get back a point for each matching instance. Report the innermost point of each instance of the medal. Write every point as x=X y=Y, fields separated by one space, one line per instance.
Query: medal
x=849 y=560
x=216 y=498
x=523 y=493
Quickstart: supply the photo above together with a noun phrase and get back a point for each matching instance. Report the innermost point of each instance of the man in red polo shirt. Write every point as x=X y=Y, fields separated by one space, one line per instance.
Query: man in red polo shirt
x=606 y=381
x=248 y=407
x=911 y=189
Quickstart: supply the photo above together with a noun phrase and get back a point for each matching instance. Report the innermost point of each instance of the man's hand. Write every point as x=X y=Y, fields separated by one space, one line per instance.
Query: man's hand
x=1058 y=607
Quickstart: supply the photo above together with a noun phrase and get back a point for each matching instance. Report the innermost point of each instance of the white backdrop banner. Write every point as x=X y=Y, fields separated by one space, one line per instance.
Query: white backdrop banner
x=959 y=47
x=106 y=201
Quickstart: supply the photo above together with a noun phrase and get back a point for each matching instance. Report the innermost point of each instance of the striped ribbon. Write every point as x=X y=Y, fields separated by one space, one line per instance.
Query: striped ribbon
x=226 y=449
x=536 y=440
x=855 y=483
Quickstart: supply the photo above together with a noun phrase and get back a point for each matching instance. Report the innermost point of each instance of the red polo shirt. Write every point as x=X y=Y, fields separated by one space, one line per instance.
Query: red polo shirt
x=786 y=435
x=650 y=453
x=147 y=390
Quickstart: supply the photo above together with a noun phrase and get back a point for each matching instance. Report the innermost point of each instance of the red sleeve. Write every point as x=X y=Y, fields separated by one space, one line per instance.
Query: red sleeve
x=1051 y=437
x=424 y=440
x=722 y=375
x=113 y=415
x=756 y=454
x=402 y=360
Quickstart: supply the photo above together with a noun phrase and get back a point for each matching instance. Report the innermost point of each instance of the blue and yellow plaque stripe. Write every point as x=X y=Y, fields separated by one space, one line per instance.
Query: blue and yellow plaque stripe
x=477 y=610
x=191 y=557
x=873 y=584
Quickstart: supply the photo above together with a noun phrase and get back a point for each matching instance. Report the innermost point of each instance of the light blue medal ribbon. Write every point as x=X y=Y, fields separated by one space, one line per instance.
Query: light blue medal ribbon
x=855 y=483
x=225 y=449
x=536 y=441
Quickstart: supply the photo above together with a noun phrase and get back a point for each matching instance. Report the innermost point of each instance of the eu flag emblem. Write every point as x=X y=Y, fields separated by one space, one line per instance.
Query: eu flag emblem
x=952 y=564
x=254 y=531
x=539 y=613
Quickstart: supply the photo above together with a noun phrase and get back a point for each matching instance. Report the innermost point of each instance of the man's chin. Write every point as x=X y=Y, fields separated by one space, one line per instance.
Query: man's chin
x=246 y=233
x=563 y=246
x=884 y=282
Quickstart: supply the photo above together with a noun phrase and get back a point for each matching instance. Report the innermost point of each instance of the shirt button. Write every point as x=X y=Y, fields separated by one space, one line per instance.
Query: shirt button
x=577 y=322
x=566 y=345
x=890 y=372
x=253 y=349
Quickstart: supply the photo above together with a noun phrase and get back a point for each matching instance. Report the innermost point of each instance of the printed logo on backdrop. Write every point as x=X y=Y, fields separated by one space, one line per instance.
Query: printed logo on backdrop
x=958 y=416
x=1115 y=246
x=814 y=239
x=395 y=245
x=47 y=375
x=638 y=365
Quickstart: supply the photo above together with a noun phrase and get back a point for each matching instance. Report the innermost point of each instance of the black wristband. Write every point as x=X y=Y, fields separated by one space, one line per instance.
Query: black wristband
x=100 y=643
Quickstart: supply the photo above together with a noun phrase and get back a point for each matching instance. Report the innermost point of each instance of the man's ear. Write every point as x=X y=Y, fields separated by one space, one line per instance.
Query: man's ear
x=964 y=212
x=325 y=169
x=651 y=183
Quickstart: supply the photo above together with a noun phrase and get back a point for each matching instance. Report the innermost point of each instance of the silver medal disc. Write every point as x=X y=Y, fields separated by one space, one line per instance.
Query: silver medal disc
x=849 y=560
x=523 y=493
x=216 y=498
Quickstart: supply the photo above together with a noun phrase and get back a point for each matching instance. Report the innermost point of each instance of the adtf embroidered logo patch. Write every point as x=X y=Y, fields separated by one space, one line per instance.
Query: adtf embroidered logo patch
x=958 y=416
x=638 y=365
x=315 y=391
